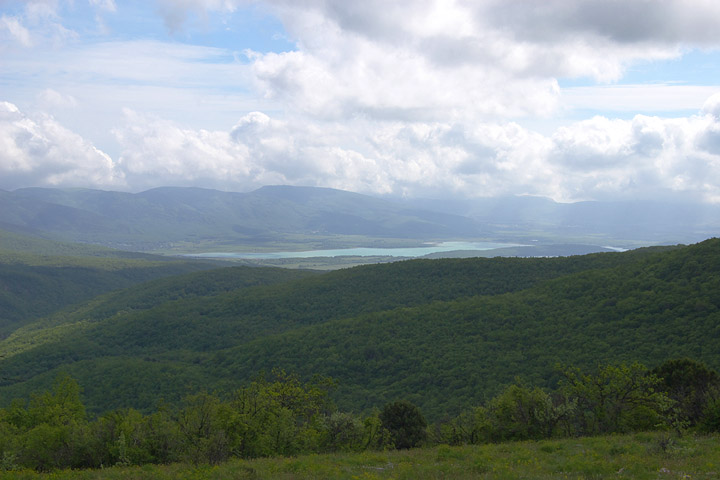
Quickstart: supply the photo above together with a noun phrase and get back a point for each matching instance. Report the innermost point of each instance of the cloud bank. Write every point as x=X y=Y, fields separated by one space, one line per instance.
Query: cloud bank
x=596 y=158
x=414 y=98
x=39 y=151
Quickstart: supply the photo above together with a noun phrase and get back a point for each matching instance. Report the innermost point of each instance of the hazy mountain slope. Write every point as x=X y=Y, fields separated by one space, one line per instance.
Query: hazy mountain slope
x=36 y=216
x=28 y=248
x=627 y=222
x=653 y=221
x=160 y=217
x=355 y=214
x=172 y=218
x=202 y=337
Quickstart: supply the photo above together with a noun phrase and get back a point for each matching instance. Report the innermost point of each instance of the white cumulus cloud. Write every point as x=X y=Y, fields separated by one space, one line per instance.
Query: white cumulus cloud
x=40 y=151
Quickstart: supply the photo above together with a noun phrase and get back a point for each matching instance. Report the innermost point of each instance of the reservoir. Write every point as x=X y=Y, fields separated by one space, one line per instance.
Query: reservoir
x=410 y=252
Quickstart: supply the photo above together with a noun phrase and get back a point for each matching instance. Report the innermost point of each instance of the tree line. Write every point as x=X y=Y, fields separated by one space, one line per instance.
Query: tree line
x=280 y=415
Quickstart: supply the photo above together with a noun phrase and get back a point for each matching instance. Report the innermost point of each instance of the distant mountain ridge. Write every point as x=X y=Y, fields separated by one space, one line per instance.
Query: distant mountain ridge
x=662 y=221
x=180 y=219
x=144 y=220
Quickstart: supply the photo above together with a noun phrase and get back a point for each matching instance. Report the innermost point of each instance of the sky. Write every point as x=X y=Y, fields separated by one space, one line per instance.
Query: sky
x=571 y=100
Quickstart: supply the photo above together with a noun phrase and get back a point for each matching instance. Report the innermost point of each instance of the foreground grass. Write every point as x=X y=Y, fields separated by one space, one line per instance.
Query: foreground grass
x=638 y=456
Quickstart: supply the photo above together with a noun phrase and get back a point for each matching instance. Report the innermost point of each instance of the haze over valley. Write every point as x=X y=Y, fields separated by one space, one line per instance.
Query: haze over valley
x=276 y=221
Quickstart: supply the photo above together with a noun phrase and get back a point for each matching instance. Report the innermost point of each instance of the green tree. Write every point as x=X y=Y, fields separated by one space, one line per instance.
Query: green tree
x=374 y=435
x=202 y=436
x=521 y=413
x=279 y=415
x=405 y=423
x=122 y=438
x=52 y=432
x=618 y=398
x=160 y=437
x=710 y=420
x=60 y=406
x=343 y=432
x=691 y=384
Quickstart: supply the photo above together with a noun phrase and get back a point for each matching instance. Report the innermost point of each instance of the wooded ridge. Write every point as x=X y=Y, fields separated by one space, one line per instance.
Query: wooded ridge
x=444 y=334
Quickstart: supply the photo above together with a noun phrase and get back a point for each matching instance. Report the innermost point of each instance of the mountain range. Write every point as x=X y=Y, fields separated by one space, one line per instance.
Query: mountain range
x=181 y=220
x=158 y=218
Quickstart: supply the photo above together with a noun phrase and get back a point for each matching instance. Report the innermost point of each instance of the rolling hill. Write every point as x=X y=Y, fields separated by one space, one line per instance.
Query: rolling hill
x=445 y=333
x=40 y=276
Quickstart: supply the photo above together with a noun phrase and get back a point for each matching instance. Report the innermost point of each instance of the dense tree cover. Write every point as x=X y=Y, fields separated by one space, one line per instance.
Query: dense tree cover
x=39 y=277
x=450 y=354
x=443 y=333
x=30 y=292
x=31 y=249
x=617 y=398
x=208 y=312
x=279 y=415
x=273 y=415
x=613 y=398
x=175 y=286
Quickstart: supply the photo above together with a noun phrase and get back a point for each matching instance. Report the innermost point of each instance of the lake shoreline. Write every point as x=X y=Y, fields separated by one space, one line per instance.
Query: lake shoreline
x=397 y=252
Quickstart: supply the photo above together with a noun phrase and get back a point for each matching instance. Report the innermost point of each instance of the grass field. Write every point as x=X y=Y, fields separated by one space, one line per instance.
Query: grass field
x=636 y=456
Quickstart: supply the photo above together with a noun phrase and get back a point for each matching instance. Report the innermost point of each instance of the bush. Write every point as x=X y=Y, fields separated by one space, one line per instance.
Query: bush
x=521 y=413
x=343 y=432
x=405 y=423
x=691 y=384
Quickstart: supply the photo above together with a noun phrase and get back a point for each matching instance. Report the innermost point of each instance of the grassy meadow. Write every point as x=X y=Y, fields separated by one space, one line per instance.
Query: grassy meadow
x=640 y=456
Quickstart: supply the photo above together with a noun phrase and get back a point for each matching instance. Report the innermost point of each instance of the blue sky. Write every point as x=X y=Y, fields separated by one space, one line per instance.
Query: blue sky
x=573 y=100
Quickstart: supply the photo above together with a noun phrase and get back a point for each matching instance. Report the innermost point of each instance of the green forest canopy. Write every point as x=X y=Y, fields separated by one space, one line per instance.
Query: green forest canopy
x=444 y=334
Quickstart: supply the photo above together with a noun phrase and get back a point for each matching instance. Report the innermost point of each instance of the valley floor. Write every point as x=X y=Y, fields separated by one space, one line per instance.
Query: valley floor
x=655 y=455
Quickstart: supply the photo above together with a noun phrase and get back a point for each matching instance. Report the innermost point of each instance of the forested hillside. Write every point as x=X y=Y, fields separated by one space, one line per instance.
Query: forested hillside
x=444 y=333
x=450 y=354
x=40 y=276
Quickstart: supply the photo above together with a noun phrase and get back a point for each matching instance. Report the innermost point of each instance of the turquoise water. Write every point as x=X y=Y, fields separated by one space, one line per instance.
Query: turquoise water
x=362 y=251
